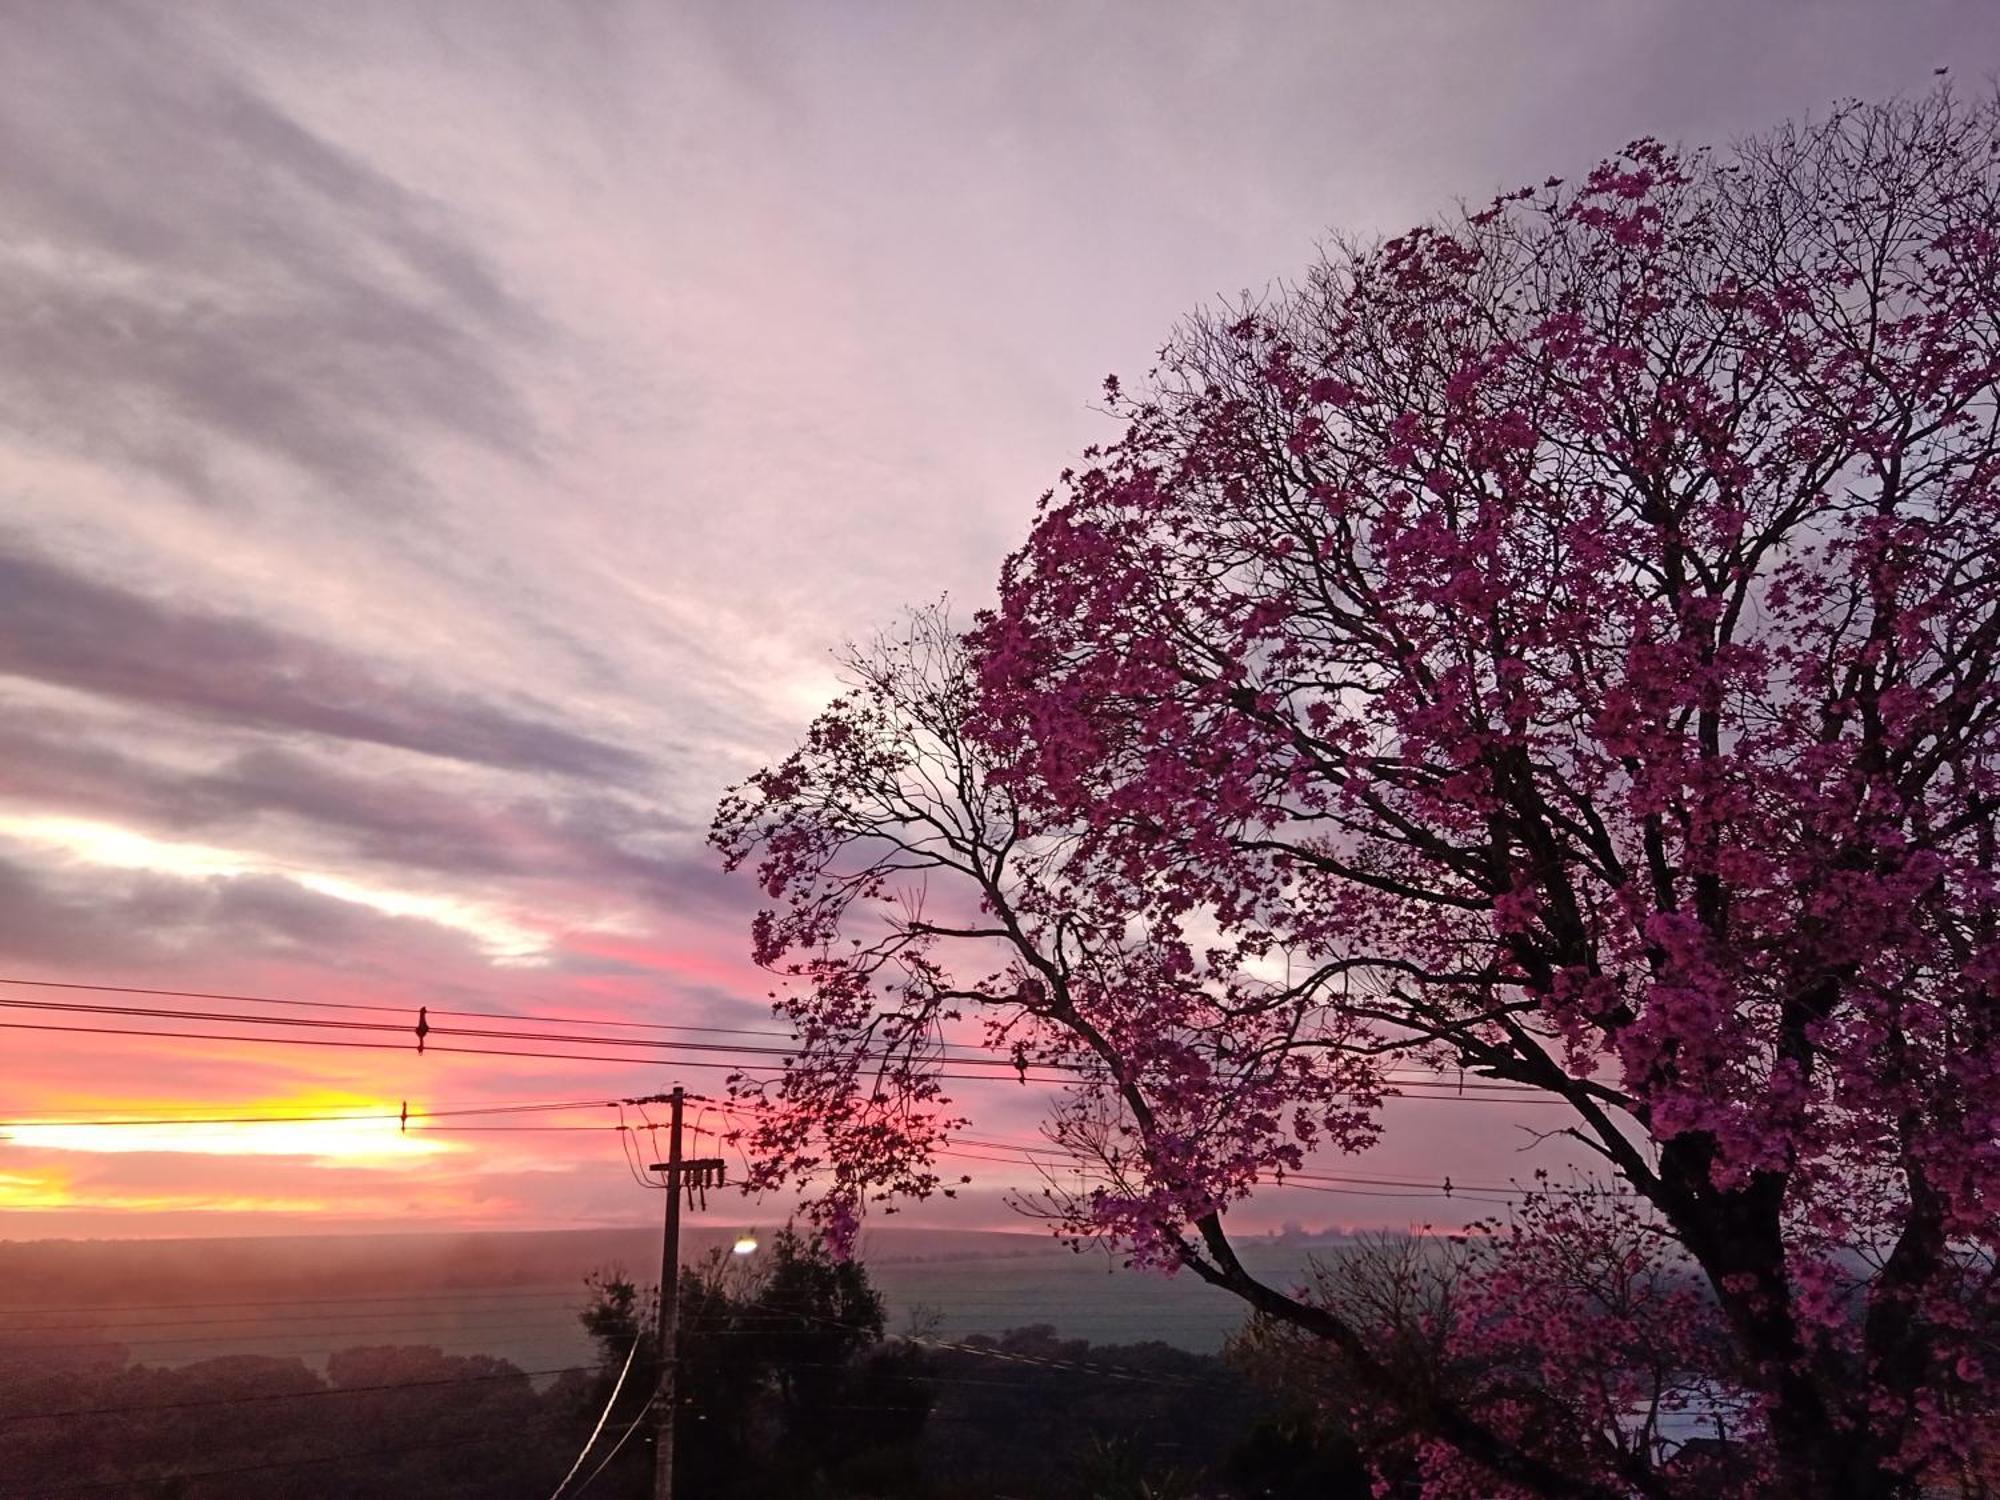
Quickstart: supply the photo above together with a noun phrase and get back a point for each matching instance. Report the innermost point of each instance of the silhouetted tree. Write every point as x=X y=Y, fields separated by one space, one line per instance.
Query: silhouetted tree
x=783 y=1382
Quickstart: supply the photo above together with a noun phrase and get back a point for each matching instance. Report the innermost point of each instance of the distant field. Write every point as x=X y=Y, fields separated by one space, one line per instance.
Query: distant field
x=515 y=1296
x=1081 y=1296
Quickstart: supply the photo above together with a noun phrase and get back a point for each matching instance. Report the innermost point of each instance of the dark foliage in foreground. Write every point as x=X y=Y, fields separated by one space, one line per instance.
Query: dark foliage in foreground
x=790 y=1386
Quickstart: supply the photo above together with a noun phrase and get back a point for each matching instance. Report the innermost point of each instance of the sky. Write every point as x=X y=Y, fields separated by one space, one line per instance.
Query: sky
x=442 y=444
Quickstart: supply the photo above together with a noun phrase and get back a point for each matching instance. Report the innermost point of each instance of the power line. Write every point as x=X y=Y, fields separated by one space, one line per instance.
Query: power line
x=53 y=1117
x=343 y=1117
x=513 y=1430
x=400 y=1010
x=1061 y=1153
x=369 y=1116
x=1015 y=1154
x=1327 y=1183
x=962 y=1053
x=737 y=1067
x=1094 y=1367
x=616 y=1448
x=332 y=1390
x=603 y=1417
x=644 y=1062
x=441 y=1294
x=1360 y=1187
x=31 y=1346
x=983 y=1148
x=1089 y=1367
x=291 y=1317
x=571 y=1037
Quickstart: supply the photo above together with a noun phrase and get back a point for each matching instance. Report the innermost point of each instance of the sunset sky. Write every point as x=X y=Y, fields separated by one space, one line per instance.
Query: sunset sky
x=441 y=443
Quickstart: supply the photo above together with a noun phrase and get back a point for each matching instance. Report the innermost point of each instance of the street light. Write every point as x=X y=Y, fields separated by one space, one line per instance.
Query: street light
x=746 y=1244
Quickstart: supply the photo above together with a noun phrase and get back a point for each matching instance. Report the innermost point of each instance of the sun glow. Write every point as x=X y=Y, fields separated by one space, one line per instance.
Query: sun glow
x=374 y=1138
x=33 y=1190
x=47 y=1192
x=25 y=1191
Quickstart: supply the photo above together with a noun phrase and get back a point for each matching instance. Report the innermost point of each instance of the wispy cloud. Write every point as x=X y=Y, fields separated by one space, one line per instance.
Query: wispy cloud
x=192 y=271
x=59 y=627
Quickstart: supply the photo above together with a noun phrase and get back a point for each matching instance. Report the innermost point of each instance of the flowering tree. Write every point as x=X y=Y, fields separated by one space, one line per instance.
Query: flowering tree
x=1574 y=1329
x=1559 y=643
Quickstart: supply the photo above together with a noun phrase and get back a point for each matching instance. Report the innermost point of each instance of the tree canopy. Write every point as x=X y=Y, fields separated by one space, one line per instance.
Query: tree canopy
x=1556 y=643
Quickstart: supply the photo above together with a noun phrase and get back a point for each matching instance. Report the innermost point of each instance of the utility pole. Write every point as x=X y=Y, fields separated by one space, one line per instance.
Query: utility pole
x=665 y=1397
x=681 y=1176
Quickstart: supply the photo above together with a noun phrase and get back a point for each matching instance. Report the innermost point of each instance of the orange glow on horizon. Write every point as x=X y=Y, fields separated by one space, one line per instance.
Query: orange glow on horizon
x=51 y=1190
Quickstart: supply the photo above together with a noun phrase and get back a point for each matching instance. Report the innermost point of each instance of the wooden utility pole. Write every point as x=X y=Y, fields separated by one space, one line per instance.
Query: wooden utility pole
x=681 y=1176
x=665 y=1398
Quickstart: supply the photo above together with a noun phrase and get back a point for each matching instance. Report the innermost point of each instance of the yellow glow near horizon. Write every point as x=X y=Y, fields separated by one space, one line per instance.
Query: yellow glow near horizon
x=378 y=1142
x=369 y=1142
x=33 y=1190
x=30 y=1192
x=107 y=844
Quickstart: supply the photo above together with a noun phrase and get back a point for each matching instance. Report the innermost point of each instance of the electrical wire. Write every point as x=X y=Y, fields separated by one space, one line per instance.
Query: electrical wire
x=35 y=1347
x=1015 y=1154
x=435 y=1112
x=66 y=1413
x=444 y=1294
x=1363 y=1187
x=603 y=1417
x=543 y=1056
x=984 y=1152
x=363 y=1116
x=399 y=1010
x=624 y=1438
x=350 y=1456
x=961 y=1053
x=633 y=1164
x=1094 y=1367
x=345 y=1318
x=482 y=1033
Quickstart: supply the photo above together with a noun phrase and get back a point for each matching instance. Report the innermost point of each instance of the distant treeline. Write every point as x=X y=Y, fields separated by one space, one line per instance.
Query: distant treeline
x=790 y=1385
